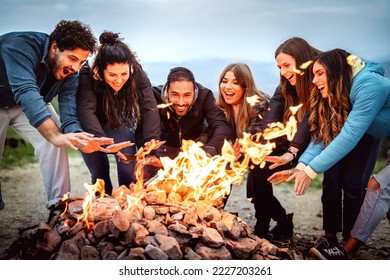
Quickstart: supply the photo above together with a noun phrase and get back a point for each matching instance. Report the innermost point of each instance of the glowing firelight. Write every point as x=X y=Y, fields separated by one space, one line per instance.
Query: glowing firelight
x=193 y=176
x=252 y=100
x=164 y=105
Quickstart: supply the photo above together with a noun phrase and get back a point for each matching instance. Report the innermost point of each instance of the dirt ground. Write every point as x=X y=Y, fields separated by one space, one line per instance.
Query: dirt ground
x=24 y=197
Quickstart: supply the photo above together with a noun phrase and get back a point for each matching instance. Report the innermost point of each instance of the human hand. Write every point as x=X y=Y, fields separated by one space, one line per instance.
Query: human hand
x=282 y=176
x=152 y=160
x=153 y=145
x=237 y=150
x=71 y=140
x=94 y=144
x=148 y=147
x=279 y=160
x=302 y=183
x=114 y=149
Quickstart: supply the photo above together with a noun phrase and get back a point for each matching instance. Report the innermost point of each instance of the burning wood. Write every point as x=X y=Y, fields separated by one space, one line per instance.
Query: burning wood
x=153 y=228
x=178 y=214
x=142 y=231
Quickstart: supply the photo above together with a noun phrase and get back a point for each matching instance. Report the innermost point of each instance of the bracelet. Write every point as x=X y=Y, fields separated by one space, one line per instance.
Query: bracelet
x=292 y=152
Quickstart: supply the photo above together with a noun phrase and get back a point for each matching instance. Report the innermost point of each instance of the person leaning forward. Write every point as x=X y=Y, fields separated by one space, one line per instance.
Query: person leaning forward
x=192 y=114
x=35 y=67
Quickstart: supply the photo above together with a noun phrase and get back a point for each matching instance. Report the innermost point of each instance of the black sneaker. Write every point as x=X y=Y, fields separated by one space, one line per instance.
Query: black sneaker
x=283 y=230
x=325 y=242
x=331 y=253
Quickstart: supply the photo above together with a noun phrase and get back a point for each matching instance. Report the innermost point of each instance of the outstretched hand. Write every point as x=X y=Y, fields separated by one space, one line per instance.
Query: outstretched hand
x=279 y=160
x=282 y=176
x=143 y=154
x=302 y=180
x=94 y=144
x=115 y=149
x=302 y=183
x=237 y=150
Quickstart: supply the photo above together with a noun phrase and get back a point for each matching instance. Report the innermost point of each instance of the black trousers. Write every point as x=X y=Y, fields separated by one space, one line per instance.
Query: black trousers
x=266 y=205
x=344 y=186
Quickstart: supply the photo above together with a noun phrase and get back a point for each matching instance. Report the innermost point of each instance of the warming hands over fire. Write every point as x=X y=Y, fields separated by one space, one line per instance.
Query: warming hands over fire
x=83 y=141
x=86 y=143
x=237 y=150
x=94 y=144
x=287 y=157
x=279 y=160
x=144 y=157
x=282 y=176
x=302 y=180
x=115 y=149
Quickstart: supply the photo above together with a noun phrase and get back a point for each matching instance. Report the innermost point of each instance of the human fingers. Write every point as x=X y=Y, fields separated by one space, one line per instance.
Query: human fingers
x=121 y=156
x=291 y=177
x=118 y=146
x=104 y=150
x=75 y=140
x=279 y=176
x=153 y=144
x=271 y=159
x=302 y=183
x=299 y=188
x=273 y=166
x=103 y=140
x=153 y=160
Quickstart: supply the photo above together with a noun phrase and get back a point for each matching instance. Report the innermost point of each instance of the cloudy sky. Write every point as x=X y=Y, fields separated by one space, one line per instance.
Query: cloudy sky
x=181 y=30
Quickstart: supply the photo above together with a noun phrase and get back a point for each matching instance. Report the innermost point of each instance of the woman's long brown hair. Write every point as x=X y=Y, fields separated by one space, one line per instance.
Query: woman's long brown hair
x=328 y=115
x=303 y=53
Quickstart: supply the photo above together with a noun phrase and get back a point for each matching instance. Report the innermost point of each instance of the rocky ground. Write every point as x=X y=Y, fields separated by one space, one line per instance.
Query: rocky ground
x=24 y=196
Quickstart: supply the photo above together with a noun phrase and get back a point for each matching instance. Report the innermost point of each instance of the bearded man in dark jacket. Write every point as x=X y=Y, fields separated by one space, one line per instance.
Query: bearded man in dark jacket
x=190 y=114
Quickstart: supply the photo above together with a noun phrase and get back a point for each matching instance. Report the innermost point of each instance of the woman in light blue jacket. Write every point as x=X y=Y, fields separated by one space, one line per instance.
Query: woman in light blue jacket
x=352 y=105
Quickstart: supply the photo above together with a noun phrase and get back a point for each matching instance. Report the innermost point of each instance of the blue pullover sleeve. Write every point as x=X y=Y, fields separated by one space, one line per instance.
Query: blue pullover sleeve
x=20 y=59
x=367 y=97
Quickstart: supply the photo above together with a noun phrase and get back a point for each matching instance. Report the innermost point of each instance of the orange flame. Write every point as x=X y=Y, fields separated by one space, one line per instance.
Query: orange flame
x=164 y=105
x=193 y=176
x=97 y=188
x=252 y=100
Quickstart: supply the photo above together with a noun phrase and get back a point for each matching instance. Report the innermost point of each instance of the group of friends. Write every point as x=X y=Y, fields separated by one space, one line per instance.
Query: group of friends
x=107 y=105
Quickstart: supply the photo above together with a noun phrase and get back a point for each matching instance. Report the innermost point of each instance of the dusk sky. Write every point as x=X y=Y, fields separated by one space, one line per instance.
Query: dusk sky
x=180 y=30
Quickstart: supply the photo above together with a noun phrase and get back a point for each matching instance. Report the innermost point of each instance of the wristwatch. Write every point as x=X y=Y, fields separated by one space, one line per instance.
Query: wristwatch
x=289 y=150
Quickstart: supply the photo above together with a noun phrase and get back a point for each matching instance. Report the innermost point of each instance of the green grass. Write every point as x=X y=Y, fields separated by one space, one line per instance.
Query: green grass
x=17 y=157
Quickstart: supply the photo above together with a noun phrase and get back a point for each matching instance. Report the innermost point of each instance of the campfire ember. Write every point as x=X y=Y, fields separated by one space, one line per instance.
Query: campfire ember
x=178 y=214
x=158 y=231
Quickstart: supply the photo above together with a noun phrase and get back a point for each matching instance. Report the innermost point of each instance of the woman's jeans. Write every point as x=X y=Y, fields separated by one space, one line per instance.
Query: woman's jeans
x=98 y=162
x=375 y=206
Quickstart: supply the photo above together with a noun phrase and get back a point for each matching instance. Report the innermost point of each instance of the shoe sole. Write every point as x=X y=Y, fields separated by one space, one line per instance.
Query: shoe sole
x=315 y=253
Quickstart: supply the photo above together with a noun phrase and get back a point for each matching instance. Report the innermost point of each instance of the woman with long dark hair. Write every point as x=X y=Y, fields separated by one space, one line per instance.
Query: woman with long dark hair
x=348 y=115
x=115 y=99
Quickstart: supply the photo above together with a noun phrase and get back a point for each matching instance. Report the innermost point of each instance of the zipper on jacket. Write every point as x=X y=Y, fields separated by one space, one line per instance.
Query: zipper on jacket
x=179 y=126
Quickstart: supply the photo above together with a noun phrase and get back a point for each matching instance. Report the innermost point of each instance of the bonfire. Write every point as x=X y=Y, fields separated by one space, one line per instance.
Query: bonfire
x=178 y=214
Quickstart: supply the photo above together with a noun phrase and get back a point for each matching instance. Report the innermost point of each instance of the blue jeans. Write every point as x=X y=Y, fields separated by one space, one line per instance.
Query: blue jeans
x=53 y=161
x=98 y=163
x=375 y=206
